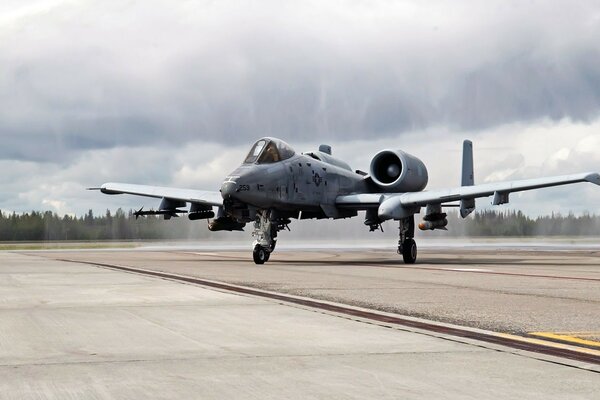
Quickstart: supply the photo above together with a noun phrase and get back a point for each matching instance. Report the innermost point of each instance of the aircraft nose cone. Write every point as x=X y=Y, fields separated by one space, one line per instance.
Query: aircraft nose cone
x=228 y=189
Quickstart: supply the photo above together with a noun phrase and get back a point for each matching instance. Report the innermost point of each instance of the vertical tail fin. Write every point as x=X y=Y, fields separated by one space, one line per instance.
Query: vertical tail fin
x=467 y=206
x=467 y=164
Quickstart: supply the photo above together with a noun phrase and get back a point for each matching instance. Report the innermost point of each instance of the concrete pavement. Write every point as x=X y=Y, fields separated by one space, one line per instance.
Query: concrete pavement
x=74 y=331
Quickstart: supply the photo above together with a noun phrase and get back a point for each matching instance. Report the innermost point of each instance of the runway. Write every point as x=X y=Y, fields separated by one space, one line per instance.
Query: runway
x=71 y=328
x=504 y=289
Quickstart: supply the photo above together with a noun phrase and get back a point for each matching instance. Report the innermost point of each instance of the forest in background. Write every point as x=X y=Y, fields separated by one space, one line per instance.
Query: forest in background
x=122 y=225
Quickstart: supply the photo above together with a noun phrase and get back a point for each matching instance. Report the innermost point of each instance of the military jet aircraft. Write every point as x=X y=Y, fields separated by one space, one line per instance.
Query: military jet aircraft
x=274 y=185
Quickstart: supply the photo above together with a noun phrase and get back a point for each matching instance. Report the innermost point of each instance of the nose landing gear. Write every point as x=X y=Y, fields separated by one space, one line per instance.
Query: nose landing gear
x=265 y=234
x=260 y=254
x=406 y=243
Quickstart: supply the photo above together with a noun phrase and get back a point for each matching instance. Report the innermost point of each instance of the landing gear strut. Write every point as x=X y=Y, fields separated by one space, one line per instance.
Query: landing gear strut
x=406 y=242
x=265 y=235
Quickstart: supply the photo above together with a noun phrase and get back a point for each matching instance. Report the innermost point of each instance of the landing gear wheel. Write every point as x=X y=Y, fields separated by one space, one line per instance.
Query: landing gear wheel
x=409 y=251
x=260 y=255
x=268 y=256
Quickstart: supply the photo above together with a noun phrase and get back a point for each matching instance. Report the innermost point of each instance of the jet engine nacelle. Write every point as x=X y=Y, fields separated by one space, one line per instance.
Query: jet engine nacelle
x=396 y=171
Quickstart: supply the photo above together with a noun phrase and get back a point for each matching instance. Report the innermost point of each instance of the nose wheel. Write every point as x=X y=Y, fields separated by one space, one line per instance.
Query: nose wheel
x=265 y=235
x=260 y=255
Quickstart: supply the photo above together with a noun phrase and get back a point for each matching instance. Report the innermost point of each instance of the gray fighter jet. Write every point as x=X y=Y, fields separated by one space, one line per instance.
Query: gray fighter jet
x=275 y=184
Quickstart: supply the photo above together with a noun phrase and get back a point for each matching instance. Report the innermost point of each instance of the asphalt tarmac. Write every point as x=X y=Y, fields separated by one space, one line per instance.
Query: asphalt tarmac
x=76 y=330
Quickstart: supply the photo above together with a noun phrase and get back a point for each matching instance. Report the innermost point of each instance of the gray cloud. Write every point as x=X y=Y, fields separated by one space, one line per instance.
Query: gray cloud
x=161 y=92
x=89 y=75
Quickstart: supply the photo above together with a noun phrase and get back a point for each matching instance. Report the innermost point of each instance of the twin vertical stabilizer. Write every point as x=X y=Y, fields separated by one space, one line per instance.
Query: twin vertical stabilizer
x=467 y=206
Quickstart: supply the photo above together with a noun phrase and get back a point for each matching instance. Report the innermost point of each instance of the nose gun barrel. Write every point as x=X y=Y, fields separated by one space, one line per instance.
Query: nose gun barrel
x=228 y=189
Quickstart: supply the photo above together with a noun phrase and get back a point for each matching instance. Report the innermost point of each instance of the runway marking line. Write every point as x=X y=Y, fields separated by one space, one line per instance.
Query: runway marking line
x=492 y=272
x=469 y=270
x=541 y=342
x=571 y=337
x=196 y=253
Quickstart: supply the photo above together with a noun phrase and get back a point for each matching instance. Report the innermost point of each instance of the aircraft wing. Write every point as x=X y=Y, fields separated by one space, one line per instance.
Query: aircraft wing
x=187 y=195
x=500 y=191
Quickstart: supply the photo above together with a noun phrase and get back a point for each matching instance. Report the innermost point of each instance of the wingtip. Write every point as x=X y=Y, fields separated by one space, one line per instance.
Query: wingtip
x=594 y=178
x=100 y=188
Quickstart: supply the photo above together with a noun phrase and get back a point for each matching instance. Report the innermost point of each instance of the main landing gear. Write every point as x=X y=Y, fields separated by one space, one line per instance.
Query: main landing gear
x=265 y=233
x=406 y=242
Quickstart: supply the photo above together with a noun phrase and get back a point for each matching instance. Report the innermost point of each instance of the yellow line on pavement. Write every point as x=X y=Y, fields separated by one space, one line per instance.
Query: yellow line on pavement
x=577 y=334
x=568 y=337
x=550 y=344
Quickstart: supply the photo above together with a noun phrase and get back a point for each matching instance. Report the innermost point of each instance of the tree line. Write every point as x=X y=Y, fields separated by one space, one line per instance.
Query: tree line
x=46 y=226
x=515 y=223
x=122 y=225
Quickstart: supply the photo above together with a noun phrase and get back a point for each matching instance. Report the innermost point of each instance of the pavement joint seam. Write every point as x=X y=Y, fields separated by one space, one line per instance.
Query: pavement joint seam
x=235 y=356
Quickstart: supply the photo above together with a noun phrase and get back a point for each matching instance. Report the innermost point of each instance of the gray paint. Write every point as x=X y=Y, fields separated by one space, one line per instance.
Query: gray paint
x=317 y=185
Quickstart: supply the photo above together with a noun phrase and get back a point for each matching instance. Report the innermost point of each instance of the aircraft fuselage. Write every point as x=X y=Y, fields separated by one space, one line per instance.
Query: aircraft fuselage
x=301 y=183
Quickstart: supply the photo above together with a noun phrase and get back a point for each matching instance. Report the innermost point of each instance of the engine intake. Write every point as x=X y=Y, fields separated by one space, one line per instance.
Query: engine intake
x=397 y=171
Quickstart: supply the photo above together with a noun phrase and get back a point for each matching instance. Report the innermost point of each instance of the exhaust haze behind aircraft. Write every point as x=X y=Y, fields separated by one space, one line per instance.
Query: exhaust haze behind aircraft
x=275 y=184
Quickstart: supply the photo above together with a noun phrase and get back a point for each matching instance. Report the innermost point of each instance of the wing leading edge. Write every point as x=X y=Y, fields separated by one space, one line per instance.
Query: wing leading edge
x=500 y=191
x=188 y=195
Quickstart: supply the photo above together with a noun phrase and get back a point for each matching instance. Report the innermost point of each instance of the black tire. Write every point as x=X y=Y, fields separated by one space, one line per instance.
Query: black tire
x=268 y=256
x=260 y=255
x=409 y=251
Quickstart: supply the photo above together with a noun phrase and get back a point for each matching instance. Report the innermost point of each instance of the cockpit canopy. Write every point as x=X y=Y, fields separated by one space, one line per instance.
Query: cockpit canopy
x=269 y=150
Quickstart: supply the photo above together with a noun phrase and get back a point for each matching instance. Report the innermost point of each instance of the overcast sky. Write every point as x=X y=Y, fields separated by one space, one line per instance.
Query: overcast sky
x=174 y=93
